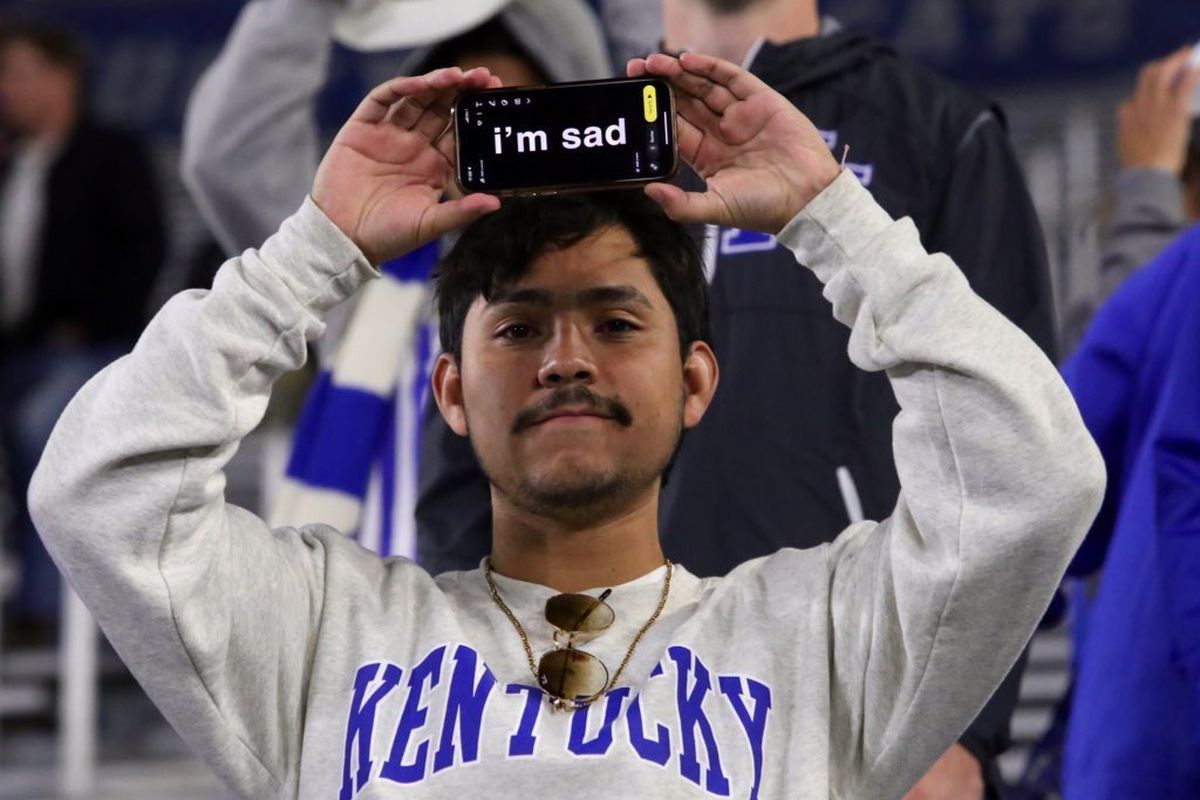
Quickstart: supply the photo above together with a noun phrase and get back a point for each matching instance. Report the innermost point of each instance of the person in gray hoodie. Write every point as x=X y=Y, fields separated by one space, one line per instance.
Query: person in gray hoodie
x=300 y=665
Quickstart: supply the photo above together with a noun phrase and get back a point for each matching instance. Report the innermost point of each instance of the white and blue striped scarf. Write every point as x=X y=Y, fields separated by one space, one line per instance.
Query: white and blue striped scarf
x=354 y=454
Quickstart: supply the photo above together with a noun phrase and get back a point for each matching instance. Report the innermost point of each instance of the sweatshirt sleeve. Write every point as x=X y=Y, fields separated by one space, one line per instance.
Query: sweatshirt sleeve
x=214 y=613
x=999 y=481
x=250 y=141
x=1148 y=217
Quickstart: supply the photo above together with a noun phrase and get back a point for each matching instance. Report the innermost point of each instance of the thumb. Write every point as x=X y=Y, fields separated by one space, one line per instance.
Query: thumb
x=452 y=214
x=689 y=207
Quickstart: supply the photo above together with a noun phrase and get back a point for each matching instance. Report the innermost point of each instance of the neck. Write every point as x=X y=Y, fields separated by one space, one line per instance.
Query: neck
x=692 y=25
x=570 y=558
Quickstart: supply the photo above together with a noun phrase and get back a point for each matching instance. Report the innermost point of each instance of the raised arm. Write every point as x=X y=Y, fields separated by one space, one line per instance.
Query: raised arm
x=214 y=613
x=1153 y=128
x=1000 y=480
x=250 y=141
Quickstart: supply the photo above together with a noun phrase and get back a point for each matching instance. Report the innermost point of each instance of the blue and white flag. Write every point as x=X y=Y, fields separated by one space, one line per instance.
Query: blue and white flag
x=354 y=452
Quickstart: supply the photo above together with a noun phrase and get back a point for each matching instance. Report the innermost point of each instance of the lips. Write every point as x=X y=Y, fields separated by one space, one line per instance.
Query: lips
x=560 y=413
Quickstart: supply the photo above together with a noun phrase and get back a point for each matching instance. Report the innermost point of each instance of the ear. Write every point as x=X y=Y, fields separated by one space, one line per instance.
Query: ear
x=447 y=393
x=700 y=378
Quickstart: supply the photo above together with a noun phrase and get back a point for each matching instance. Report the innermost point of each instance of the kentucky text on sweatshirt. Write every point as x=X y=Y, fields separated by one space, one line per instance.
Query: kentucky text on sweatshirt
x=299 y=665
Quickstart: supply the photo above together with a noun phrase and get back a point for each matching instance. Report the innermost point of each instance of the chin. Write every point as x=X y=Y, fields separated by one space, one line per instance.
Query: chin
x=577 y=489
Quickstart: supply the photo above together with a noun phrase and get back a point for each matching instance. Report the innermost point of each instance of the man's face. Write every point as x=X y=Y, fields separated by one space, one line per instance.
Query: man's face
x=32 y=87
x=572 y=389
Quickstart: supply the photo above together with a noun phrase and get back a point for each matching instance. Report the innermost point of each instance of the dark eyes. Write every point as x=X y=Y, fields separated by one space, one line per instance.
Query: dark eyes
x=614 y=326
x=516 y=331
x=617 y=325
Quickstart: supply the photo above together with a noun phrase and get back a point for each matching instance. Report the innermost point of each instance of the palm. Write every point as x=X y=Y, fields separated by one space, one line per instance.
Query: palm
x=761 y=158
x=384 y=175
x=387 y=180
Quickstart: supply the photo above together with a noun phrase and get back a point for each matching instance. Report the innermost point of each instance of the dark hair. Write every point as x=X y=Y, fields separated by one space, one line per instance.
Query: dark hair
x=490 y=38
x=497 y=250
x=54 y=43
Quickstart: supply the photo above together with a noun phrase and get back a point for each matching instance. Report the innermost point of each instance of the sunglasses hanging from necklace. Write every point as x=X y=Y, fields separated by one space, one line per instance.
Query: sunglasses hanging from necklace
x=571 y=678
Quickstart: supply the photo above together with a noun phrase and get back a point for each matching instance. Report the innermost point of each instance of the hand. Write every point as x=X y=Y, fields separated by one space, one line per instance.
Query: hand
x=1154 y=123
x=383 y=177
x=762 y=159
x=955 y=776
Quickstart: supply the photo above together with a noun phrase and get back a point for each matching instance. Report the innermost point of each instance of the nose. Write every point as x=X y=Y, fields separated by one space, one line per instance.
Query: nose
x=568 y=359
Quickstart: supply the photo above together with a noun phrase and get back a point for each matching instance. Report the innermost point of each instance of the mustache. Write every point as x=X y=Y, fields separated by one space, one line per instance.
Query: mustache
x=578 y=395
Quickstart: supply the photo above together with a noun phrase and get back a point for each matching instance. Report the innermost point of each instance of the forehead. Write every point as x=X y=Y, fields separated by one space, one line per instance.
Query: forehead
x=567 y=276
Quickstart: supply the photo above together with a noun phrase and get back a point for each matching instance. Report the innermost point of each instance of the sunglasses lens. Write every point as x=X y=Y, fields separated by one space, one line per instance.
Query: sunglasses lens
x=578 y=613
x=571 y=674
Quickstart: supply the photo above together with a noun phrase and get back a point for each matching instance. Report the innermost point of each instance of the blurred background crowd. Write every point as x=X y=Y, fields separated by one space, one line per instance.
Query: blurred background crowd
x=1050 y=146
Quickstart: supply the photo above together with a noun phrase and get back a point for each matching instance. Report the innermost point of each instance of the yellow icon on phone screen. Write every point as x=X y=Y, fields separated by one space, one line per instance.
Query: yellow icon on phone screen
x=650 y=103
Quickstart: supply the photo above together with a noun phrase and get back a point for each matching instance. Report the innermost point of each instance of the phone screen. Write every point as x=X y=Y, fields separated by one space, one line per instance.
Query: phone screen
x=568 y=136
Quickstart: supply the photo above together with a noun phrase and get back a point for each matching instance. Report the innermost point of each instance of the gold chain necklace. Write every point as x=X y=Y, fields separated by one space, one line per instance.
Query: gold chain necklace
x=662 y=602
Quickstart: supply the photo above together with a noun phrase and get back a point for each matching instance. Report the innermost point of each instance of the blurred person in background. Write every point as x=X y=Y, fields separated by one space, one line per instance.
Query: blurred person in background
x=818 y=429
x=1157 y=192
x=354 y=458
x=1156 y=197
x=1134 y=725
x=1130 y=726
x=81 y=243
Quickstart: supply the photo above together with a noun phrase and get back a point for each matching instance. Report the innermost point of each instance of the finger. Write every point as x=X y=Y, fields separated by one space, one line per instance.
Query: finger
x=428 y=113
x=715 y=96
x=406 y=113
x=688 y=207
x=1191 y=80
x=697 y=112
x=741 y=83
x=1145 y=80
x=1168 y=73
x=447 y=147
x=417 y=93
x=435 y=119
x=1165 y=76
x=688 y=139
x=376 y=106
x=636 y=68
x=442 y=218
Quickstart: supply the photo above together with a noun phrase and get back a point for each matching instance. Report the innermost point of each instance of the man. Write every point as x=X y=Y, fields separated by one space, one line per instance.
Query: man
x=81 y=242
x=819 y=430
x=299 y=664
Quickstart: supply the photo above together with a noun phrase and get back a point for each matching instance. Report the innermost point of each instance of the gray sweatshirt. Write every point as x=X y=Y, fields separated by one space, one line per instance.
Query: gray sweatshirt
x=299 y=665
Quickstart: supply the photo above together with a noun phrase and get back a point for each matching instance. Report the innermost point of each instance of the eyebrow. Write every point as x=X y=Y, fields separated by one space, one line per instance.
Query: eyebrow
x=597 y=295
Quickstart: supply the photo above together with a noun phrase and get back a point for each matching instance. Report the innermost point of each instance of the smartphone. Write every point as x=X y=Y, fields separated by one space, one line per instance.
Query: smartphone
x=566 y=137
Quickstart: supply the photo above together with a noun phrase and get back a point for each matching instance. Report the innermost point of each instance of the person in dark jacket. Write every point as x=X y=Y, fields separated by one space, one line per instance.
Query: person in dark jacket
x=926 y=149
x=81 y=243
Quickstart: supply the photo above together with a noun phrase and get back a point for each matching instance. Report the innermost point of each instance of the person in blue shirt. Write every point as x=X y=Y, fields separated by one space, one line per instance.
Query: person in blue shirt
x=1135 y=725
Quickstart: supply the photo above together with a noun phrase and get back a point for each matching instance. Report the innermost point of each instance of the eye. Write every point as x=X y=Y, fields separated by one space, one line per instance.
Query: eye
x=617 y=325
x=517 y=330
